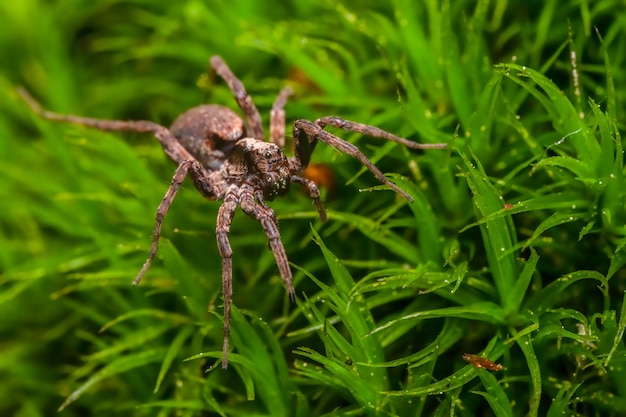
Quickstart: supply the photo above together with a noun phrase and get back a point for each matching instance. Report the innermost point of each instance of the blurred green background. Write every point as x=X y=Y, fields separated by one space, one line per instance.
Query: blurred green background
x=513 y=249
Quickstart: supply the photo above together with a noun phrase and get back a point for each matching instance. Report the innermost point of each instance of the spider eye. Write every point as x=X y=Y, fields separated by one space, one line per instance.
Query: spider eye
x=268 y=155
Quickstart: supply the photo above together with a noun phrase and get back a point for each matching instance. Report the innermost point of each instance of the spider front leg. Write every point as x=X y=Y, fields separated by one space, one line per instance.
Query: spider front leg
x=373 y=131
x=265 y=215
x=308 y=133
x=261 y=212
x=225 y=216
x=198 y=174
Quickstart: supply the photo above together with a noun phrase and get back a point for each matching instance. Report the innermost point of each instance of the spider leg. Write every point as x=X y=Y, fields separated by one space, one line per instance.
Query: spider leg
x=277 y=117
x=198 y=174
x=308 y=133
x=224 y=219
x=314 y=192
x=253 y=117
x=373 y=131
x=265 y=216
x=171 y=146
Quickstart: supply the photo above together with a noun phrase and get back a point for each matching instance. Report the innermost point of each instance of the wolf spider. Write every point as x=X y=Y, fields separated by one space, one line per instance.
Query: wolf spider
x=230 y=160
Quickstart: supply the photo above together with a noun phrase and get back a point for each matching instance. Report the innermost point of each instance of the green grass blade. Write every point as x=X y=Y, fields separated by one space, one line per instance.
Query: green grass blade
x=496 y=396
x=498 y=233
x=360 y=388
x=525 y=344
x=486 y=311
x=117 y=366
x=378 y=233
x=566 y=120
x=522 y=284
x=261 y=357
x=617 y=341
x=548 y=295
x=562 y=400
x=426 y=222
x=172 y=353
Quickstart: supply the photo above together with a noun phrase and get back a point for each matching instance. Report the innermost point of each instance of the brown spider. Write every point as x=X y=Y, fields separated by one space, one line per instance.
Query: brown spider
x=232 y=162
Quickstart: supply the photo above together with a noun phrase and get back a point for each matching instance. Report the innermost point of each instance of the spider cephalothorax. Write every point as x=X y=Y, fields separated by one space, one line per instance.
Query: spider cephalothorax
x=229 y=160
x=263 y=165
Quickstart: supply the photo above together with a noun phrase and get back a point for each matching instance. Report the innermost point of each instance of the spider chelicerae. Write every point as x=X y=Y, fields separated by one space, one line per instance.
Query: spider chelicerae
x=229 y=160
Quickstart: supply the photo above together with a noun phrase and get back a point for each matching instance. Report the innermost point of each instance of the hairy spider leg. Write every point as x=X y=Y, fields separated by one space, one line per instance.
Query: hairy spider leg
x=374 y=132
x=277 y=117
x=307 y=133
x=265 y=215
x=198 y=174
x=253 y=117
x=225 y=216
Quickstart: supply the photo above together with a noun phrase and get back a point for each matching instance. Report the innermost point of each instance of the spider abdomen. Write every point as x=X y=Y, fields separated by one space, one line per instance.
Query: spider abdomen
x=209 y=133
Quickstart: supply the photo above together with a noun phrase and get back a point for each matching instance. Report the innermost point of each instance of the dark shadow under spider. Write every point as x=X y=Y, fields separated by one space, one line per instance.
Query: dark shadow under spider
x=230 y=161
